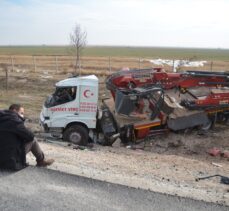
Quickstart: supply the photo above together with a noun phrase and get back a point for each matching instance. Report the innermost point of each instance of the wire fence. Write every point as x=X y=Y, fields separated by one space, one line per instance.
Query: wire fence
x=49 y=67
x=91 y=65
x=64 y=64
x=100 y=66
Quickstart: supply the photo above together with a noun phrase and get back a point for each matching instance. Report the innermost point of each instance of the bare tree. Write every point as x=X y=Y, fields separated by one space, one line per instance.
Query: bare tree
x=78 y=41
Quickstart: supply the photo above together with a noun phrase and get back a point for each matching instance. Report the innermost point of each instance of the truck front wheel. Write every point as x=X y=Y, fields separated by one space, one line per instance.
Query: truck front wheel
x=76 y=134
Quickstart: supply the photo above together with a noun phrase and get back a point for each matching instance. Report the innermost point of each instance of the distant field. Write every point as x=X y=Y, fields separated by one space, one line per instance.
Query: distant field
x=34 y=70
x=143 y=52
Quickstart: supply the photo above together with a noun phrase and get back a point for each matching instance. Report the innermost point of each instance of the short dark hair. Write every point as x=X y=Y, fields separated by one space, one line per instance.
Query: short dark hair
x=15 y=107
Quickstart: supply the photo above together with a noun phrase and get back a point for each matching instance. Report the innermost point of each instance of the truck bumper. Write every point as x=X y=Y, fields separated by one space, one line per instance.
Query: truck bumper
x=45 y=123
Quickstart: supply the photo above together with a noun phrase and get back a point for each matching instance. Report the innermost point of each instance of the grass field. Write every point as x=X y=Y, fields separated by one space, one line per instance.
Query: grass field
x=31 y=78
x=143 y=52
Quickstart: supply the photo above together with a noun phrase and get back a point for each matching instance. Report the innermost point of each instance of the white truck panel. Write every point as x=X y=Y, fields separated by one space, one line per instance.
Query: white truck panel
x=82 y=109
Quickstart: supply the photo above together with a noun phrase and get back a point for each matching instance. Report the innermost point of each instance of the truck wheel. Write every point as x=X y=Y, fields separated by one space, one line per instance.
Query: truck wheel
x=208 y=125
x=76 y=134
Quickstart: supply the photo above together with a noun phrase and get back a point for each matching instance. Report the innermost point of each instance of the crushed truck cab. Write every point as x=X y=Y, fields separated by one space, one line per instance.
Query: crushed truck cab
x=72 y=107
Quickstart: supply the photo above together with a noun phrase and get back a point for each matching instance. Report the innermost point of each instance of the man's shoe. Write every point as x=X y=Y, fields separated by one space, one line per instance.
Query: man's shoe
x=44 y=163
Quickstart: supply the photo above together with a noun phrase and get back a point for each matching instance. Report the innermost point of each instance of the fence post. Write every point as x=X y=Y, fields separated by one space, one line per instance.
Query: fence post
x=109 y=62
x=56 y=59
x=34 y=64
x=7 y=77
x=73 y=64
x=211 y=65
x=139 y=60
x=12 y=63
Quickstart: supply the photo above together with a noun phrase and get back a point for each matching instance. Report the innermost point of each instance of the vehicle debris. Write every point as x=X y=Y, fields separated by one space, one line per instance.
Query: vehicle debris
x=88 y=147
x=223 y=179
x=217 y=165
x=225 y=154
x=144 y=103
x=214 y=151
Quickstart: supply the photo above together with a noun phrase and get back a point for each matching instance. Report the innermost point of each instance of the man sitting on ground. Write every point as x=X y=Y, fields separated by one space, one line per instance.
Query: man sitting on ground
x=16 y=140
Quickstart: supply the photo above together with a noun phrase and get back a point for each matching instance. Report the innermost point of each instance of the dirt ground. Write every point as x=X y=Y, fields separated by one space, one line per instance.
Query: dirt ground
x=168 y=164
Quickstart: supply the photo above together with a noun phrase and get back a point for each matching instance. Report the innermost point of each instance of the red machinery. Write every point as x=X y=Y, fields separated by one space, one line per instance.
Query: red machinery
x=150 y=101
x=156 y=76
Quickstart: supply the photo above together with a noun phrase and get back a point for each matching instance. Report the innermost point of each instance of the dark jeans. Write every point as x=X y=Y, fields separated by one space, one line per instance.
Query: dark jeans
x=34 y=147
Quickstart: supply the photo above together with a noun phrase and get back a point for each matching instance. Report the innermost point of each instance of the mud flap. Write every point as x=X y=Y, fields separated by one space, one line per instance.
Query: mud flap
x=188 y=121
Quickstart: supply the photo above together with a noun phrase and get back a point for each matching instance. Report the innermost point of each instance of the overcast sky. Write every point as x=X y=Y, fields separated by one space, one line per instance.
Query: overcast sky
x=176 y=23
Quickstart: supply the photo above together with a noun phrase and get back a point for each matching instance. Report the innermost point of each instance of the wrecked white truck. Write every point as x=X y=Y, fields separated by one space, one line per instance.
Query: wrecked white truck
x=144 y=103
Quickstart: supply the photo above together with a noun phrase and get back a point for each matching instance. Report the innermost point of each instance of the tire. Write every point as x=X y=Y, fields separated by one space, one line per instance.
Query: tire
x=208 y=125
x=76 y=134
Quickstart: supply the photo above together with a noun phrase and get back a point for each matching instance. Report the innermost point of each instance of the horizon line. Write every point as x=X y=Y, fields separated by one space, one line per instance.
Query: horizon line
x=123 y=46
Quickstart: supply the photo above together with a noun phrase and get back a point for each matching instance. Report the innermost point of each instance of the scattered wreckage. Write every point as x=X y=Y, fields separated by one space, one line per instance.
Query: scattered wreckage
x=144 y=103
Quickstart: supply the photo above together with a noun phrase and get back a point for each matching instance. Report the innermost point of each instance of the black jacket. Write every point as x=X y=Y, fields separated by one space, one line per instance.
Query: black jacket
x=13 y=136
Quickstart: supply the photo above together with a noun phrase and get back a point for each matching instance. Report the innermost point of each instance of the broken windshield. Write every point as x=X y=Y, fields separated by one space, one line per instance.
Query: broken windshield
x=60 y=96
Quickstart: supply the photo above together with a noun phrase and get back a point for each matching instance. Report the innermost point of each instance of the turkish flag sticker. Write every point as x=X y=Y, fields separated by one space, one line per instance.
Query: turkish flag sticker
x=87 y=93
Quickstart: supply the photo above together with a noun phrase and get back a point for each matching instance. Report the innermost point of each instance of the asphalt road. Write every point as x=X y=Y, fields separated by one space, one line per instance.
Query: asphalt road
x=44 y=189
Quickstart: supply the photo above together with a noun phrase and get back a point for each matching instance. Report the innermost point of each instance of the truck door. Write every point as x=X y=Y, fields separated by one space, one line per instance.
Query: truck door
x=88 y=102
x=64 y=106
